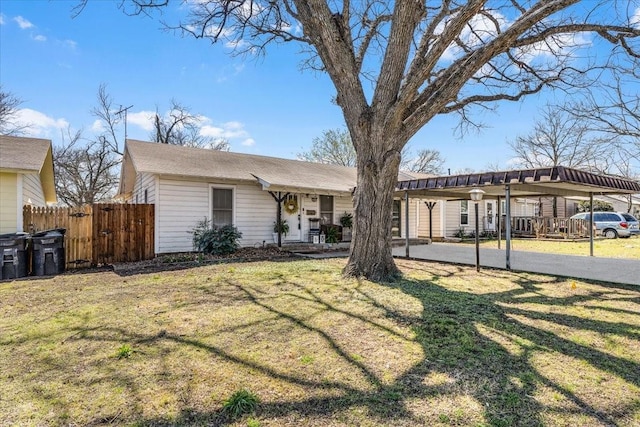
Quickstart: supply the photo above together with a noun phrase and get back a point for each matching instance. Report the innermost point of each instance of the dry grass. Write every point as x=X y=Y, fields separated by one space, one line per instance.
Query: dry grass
x=605 y=248
x=444 y=346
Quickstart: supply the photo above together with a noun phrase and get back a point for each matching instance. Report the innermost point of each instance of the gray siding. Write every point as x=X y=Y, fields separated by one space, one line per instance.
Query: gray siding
x=144 y=182
x=179 y=207
x=341 y=204
x=423 y=220
x=182 y=204
x=32 y=190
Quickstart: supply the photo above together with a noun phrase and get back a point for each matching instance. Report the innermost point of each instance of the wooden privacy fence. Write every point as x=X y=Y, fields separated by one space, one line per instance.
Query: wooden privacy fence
x=102 y=233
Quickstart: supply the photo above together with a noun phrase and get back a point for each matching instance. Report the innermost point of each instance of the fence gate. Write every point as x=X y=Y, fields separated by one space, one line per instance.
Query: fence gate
x=101 y=233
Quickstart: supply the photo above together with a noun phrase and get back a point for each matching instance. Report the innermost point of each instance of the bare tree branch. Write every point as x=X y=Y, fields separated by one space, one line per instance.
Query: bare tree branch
x=85 y=173
x=181 y=127
x=395 y=66
x=333 y=147
x=9 y=104
x=559 y=139
x=106 y=113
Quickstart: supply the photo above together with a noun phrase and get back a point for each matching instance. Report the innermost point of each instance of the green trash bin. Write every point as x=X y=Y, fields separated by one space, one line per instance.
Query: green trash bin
x=48 y=256
x=13 y=250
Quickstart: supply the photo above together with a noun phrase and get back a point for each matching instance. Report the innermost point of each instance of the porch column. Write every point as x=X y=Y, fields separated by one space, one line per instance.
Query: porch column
x=279 y=199
x=430 y=205
x=590 y=224
x=406 y=221
x=507 y=194
x=499 y=221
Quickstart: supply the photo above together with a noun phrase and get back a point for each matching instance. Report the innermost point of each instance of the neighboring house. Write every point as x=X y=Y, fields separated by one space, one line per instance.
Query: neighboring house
x=449 y=218
x=26 y=178
x=190 y=184
x=619 y=202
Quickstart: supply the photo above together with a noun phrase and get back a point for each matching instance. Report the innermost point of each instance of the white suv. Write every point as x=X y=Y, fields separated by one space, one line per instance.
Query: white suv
x=612 y=224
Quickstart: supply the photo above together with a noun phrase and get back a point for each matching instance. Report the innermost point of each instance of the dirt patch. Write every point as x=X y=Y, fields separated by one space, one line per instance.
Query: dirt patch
x=181 y=261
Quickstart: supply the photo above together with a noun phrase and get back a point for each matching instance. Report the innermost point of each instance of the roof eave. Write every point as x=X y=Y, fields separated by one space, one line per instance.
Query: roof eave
x=47 y=178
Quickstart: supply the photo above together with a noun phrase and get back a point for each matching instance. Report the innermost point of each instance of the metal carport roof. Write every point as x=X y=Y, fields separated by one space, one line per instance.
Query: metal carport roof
x=550 y=181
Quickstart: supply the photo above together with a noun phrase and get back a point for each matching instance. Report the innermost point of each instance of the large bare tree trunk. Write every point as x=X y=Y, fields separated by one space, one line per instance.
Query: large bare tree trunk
x=373 y=201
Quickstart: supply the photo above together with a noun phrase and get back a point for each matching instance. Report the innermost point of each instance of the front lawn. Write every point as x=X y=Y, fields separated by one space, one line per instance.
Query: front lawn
x=604 y=248
x=444 y=346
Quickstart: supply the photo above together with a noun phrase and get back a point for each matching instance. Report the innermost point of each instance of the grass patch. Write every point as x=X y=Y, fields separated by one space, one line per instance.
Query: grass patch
x=444 y=345
x=242 y=402
x=605 y=248
x=124 y=351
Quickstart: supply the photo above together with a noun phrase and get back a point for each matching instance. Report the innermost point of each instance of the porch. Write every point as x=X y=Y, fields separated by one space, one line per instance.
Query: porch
x=547 y=227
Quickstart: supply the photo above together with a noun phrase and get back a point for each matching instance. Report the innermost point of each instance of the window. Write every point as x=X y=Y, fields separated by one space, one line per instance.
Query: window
x=326 y=209
x=464 y=212
x=222 y=206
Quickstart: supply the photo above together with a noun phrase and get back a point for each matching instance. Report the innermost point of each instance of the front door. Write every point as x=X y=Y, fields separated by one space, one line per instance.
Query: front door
x=291 y=213
x=490 y=215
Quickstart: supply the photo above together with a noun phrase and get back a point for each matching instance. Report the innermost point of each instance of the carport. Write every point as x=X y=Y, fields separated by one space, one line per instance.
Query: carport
x=526 y=183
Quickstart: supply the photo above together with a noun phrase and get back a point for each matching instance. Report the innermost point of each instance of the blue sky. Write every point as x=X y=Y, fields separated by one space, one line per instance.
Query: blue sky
x=266 y=106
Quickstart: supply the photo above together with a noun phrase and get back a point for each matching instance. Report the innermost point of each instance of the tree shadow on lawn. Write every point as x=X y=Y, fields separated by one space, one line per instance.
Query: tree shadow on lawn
x=491 y=349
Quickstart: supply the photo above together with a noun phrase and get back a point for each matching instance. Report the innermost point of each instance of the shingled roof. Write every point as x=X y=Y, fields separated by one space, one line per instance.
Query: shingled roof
x=272 y=173
x=29 y=155
x=23 y=154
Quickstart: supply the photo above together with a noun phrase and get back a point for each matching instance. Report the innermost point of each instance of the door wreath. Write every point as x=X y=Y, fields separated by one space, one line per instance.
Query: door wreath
x=291 y=206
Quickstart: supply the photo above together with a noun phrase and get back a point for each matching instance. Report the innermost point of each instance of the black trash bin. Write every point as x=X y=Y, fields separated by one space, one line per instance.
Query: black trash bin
x=48 y=252
x=13 y=250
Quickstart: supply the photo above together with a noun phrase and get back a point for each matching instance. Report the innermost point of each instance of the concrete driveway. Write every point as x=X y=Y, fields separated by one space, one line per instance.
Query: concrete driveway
x=625 y=271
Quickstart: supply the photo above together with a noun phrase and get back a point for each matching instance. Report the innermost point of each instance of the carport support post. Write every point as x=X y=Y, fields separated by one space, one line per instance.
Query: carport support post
x=590 y=224
x=507 y=194
x=499 y=221
x=406 y=222
x=477 y=239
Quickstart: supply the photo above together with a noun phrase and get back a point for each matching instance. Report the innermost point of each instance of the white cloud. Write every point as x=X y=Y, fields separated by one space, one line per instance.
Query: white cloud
x=249 y=142
x=1 y=19
x=70 y=44
x=98 y=126
x=558 y=45
x=39 y=38
x=23 y=23
x=479 y=30
x=236 y=44
x=38 y=124
x=228 y=130
x=635 y=19
x=212 y=131
x=143 y=119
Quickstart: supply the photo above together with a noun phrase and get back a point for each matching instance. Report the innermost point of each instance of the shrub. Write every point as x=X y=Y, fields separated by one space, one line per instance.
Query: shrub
x=598 y=206
x=281 y=227
x=240 y=403
x=332 y=234
x=346 y=220
x=214 y=240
